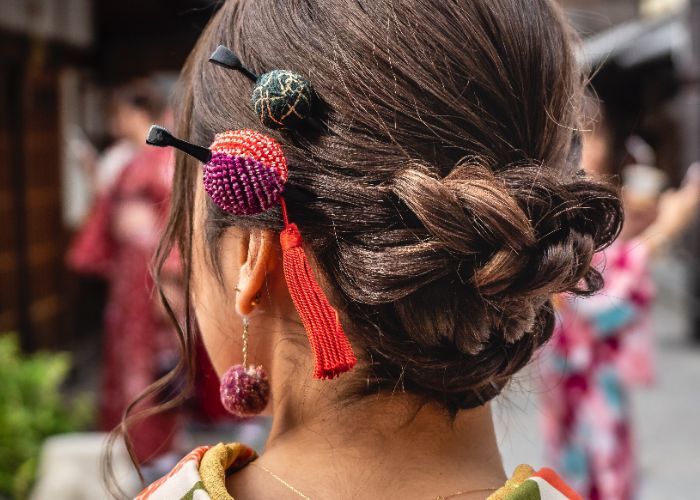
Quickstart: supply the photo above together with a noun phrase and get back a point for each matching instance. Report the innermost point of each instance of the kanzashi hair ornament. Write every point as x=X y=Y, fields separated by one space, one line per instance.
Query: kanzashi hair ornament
x=245 y=174
x=244 y=171
x=281 y=98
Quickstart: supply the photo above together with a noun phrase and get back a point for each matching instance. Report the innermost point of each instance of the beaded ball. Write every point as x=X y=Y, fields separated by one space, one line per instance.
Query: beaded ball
x=282 y=98
x=245 y=392
x=246 y=173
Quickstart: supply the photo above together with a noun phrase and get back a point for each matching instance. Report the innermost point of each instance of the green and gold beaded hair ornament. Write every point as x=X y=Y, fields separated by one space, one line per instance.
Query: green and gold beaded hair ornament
x=282 y=99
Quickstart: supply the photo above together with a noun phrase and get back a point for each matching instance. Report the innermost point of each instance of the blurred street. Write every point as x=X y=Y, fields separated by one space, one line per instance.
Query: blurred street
x=665 y=415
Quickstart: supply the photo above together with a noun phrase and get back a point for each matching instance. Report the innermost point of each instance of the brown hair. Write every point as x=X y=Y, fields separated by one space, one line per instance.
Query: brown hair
x=448 y=206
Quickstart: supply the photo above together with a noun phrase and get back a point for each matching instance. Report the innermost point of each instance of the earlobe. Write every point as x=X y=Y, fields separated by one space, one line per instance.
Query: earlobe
x=258 y=257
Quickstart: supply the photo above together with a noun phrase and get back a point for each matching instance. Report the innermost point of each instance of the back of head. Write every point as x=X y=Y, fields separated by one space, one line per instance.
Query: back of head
x=448 y=206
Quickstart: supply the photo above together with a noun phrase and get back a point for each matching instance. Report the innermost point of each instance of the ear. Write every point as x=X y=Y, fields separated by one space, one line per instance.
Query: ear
x=258 y=257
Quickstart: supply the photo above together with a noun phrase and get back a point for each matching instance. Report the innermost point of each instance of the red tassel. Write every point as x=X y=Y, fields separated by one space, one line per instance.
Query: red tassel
x=332 y=351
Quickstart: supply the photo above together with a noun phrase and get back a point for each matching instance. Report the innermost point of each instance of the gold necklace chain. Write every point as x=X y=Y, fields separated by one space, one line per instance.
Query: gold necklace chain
x=299 y=493
x=292 y=488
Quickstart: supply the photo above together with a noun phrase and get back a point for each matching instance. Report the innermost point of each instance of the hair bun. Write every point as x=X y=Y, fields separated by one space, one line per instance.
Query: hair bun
x=514 y=237
x=474 y=218
x=446 y=207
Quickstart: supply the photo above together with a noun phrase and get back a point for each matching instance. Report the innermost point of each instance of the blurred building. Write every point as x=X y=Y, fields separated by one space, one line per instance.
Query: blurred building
x=57 y=59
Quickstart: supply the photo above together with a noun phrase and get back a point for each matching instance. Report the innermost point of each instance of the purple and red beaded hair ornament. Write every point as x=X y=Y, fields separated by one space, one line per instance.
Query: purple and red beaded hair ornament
x=244 y=171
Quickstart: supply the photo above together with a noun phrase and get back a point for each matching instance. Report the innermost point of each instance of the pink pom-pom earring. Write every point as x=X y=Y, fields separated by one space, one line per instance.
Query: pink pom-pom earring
x=245 y=389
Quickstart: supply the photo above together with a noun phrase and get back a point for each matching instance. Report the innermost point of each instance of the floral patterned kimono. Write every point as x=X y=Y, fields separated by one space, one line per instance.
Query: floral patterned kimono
x=601 y=348
x=138 y=344
x=201 y=475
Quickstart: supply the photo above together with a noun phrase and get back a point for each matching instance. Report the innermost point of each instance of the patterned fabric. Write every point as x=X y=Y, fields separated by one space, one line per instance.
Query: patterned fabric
x=602 y=346
x=282 y=99
x=201 y=475
x=182 y=482
x=219 y=460
x=526 y=484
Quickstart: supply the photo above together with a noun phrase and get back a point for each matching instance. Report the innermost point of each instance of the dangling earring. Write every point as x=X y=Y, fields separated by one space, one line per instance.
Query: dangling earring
x=245 y=390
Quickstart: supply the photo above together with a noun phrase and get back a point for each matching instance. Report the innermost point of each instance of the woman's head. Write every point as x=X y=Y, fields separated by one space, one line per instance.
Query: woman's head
x=135 y=106
x=446 y=204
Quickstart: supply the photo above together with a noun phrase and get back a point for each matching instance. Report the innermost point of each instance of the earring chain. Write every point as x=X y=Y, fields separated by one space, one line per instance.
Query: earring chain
x=245 y=342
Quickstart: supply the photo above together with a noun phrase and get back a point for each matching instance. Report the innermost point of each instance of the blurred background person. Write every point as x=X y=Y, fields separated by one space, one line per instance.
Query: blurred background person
x=603 y=344
x=117 y=242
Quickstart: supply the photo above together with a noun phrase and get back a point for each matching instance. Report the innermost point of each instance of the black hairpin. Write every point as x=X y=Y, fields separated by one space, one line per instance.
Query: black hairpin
x=281 y=98
x=159 y=136
x=222 y=56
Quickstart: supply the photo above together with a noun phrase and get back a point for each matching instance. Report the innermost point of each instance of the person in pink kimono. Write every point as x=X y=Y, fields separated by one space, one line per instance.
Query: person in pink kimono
x=602 y=346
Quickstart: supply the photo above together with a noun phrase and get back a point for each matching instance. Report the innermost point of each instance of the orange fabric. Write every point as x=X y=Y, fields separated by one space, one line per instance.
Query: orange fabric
x=553 y=478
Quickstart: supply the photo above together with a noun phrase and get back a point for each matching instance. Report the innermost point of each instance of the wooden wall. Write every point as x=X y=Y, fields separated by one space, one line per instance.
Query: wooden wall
x=32 y=237
x=11 y=200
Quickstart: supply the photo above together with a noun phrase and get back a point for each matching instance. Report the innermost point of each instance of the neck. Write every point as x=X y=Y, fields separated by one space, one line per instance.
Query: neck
x=375 y=438
x=393 y=424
